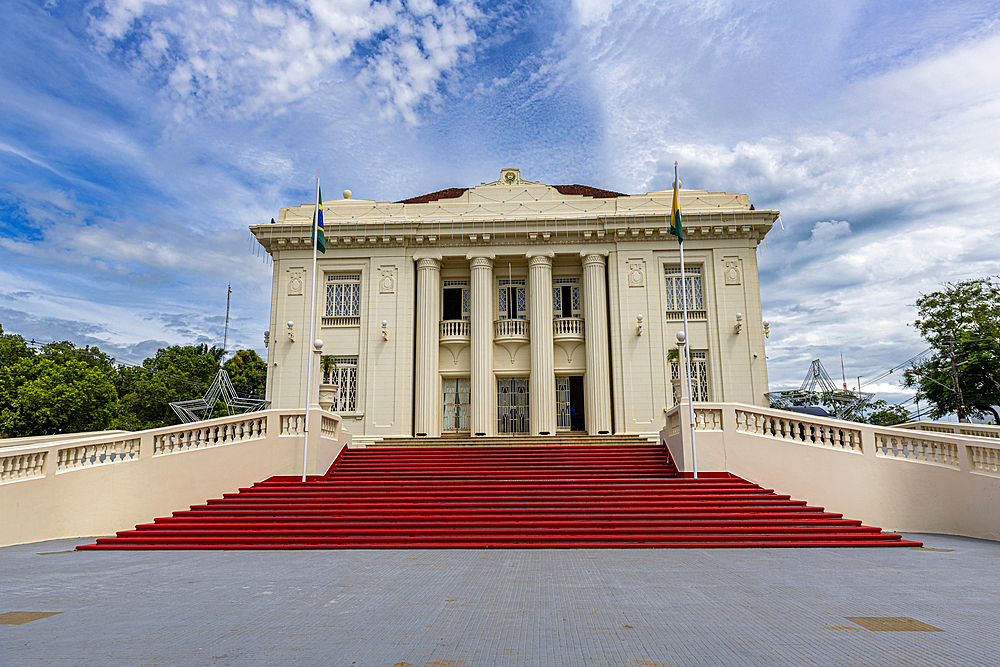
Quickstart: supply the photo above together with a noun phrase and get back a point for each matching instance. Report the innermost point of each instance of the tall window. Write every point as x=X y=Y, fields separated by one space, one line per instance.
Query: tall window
x=345 y=376
x=343 y=299
x=513 y=301
x=565 y=297
x=456 y=303
x=695 y=292
x=699 y=375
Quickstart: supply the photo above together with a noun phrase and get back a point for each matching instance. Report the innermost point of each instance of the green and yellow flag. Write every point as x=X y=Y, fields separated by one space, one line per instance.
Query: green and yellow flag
x=319 y=234
x=675 y=210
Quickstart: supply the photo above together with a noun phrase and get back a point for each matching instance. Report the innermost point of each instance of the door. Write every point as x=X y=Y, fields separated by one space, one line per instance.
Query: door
x=512 y=406
x=456 y=404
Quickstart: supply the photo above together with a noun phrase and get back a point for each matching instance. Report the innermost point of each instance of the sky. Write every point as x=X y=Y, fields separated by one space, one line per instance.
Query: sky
x=140 y=138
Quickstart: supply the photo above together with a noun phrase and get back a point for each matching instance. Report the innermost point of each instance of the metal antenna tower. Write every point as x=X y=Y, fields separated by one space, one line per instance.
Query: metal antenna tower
x=225 y=336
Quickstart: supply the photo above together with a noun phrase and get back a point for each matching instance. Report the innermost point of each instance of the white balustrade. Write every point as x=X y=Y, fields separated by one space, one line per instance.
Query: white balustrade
x=799 y=430
x=101 y=453
x=328 y=427
x=678 y=315
x=567 y=327
x=511 y=328
x=707 y=419
x=341 y=322
x=238 y=430
x=21 y=466
x=293 y=425
x=890 y=445
x=455 y=329
x=984 y=459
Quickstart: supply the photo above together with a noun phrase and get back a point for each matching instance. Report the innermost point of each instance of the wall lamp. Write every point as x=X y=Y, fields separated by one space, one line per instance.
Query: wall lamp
x=291 y=330
x=267 y=337
x=767 y=329
x=638 y=325
x=739 y=323
x=385 y=331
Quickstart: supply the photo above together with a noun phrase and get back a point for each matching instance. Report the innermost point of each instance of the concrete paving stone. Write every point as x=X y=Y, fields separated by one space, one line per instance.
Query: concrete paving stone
x=495 y=607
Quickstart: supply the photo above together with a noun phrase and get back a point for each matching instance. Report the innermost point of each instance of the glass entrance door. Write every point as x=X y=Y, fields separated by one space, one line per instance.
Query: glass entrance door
x=456 y=404
x=512 y=406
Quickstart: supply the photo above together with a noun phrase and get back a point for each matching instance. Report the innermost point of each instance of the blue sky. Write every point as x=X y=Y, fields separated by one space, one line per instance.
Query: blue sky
x=139 y=139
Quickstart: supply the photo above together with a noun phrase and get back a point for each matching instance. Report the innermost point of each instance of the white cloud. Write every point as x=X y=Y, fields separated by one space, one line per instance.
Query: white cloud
x=247 y=57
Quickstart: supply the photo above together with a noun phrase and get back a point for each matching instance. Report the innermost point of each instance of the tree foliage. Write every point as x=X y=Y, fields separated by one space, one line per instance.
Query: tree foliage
x=881 y=413
x=962 y=325
x=60 y=388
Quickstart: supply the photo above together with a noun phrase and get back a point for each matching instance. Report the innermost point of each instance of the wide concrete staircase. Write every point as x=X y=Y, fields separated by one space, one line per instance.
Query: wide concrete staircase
x=582 y=495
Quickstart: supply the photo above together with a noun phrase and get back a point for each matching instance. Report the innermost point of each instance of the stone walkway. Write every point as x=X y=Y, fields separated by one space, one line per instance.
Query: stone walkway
x=490 y=608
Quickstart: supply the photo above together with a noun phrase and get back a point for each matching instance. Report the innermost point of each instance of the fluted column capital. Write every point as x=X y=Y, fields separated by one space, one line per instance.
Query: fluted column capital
x=594 y=259
x=429 y=263
x=540 y=260
x=481 y=263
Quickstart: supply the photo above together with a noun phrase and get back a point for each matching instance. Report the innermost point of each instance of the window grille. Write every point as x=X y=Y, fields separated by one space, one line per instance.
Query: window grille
x=512 y=405
x=345 y=376
x=695 y=293
x=343 y=299
x=513 y=301
x=566 y=297
x=465 y=303
x=699 y=376
x=457 y=404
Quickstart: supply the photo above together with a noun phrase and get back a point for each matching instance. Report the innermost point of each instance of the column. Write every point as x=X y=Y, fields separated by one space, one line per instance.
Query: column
x=597 y=382
x=426 y=390
x=542 y=385
x=483 y=386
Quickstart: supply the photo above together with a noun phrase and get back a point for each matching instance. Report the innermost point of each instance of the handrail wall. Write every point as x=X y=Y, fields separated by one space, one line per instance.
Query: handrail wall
x=898 y=479
x=80 y=486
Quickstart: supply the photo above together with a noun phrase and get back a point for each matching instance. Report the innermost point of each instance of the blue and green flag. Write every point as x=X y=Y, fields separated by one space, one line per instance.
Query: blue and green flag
x=319 y=234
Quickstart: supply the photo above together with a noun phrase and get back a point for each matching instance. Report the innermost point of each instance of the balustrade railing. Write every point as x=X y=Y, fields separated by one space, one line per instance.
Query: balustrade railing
x=567 y=326
x=984 y=459
x=707 y=419
x=293 y=424
x=890 y=445
x=678 y=315
x=455 y=329
x=510 y=328
x=328 y=427
x=341 y=322
x=97 y=454
x=799 y=430
x=15 y=467
x=183 y=439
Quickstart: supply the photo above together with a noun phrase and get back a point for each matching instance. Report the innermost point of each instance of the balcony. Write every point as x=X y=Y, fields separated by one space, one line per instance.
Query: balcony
x=567 y=329
x=678 y=315
x=341 y=322
x=511 y=335
x=513 y=330
x=454 y=331
x=454 y=336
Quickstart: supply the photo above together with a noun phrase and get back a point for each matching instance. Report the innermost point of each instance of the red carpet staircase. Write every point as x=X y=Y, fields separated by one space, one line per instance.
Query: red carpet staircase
x=596 y=495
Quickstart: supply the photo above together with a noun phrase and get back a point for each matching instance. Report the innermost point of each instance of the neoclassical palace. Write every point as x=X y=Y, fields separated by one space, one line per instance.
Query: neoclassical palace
x=516 y=307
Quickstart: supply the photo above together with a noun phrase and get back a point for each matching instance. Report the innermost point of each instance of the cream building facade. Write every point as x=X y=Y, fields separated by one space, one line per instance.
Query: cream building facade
x=516 y=307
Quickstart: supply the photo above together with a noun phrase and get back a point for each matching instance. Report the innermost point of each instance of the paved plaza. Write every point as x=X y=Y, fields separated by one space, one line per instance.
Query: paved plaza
x=472 y=608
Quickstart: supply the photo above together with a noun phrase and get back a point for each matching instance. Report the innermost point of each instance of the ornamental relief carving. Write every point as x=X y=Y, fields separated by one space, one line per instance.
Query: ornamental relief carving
x=387 y=280
x=636 y=273
x=732 y=272
x=296 y=282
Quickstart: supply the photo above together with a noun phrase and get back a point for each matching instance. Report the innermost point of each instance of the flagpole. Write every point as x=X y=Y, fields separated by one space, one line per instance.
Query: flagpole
x=312 y=324
x=687 y=338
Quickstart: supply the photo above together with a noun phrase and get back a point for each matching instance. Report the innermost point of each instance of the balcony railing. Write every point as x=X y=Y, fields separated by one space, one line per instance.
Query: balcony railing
x=341 y=321
x=511 y=329
x=454 y=330
x=678 y=315
x=567 y=328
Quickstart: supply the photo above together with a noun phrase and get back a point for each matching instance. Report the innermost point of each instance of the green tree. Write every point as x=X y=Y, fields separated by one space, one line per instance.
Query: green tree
x=962 y=325
x=248 y=373
x=42 y=396
x=881 y=413
x=175 y=373
x=13 y=348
